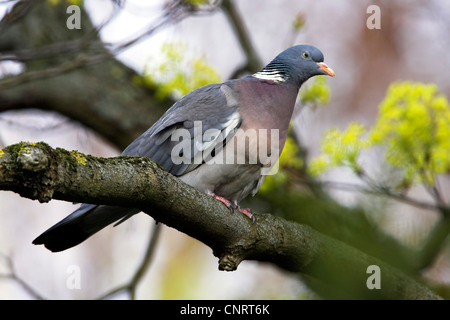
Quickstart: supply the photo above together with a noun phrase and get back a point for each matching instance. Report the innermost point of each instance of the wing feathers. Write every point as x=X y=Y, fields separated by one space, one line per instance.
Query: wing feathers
x=195 y=127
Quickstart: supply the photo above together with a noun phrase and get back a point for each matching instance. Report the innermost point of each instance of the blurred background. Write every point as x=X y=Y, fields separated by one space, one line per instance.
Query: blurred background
x=229 y=38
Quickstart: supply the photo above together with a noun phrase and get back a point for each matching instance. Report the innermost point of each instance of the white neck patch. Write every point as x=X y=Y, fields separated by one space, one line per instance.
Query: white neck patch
x=272 y=75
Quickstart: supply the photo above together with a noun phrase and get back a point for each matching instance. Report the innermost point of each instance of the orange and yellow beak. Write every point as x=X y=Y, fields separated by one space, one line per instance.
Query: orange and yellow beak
x=326 y=69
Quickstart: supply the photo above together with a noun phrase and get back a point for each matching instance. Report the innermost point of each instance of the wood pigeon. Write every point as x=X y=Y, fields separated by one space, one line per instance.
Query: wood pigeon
x=212 y=139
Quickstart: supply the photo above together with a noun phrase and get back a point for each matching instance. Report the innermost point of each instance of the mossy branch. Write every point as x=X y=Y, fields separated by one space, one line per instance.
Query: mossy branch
x=37 y=171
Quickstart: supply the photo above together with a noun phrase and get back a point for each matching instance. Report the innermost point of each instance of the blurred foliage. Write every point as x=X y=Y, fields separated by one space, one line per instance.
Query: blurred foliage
x=69 y=2
x=176 y=75
x=182 y=275
x=197 y=4
x=315 y=93
x=289 y=160
x=340 y=149
x=413 y=127
x=299 y=22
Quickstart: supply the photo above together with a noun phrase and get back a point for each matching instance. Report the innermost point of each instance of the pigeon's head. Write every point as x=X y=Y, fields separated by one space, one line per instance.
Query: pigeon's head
x=296 y=64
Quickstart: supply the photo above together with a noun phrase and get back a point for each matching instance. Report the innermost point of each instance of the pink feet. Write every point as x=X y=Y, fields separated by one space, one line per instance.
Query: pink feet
x=247 y=212
x=233 y=206
x=222 y=199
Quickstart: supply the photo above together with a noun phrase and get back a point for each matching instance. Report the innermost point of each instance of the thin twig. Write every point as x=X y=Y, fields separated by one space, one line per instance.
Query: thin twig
x=436 y=194
x=79 y=62
x=12 y=275
x=378 y=191
x=131 y=286
x=253 y=61
x=172 y=14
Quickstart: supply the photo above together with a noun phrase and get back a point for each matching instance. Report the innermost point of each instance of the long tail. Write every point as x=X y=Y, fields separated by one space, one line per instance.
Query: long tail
x=80 y=225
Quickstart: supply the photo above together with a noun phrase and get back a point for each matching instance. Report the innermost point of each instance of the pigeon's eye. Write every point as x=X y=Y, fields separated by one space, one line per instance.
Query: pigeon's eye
x=306 y=54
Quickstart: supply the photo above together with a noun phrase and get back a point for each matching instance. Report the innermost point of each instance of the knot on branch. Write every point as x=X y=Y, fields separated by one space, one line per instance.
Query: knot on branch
x=37 y=178
x=32 y=159
x=229 y=262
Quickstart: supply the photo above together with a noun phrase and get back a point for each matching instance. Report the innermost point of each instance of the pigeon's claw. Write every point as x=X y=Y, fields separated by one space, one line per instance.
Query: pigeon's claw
x=248 y=213
x=234 y=206
x=226 y=202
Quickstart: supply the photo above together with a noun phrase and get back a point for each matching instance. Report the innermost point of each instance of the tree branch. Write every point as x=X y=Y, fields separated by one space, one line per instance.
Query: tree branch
x=77 y=76
x=37 y=171
x=253 y=62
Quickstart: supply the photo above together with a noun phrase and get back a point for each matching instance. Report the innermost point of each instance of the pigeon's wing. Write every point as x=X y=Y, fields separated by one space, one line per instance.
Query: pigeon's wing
x=193 y=130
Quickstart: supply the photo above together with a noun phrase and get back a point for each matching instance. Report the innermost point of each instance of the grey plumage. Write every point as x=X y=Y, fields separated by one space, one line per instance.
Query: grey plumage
x=208 y=105
x=226 y=112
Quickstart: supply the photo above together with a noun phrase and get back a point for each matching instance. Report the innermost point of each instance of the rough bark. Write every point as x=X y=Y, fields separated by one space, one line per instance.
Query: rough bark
x=37 y=171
